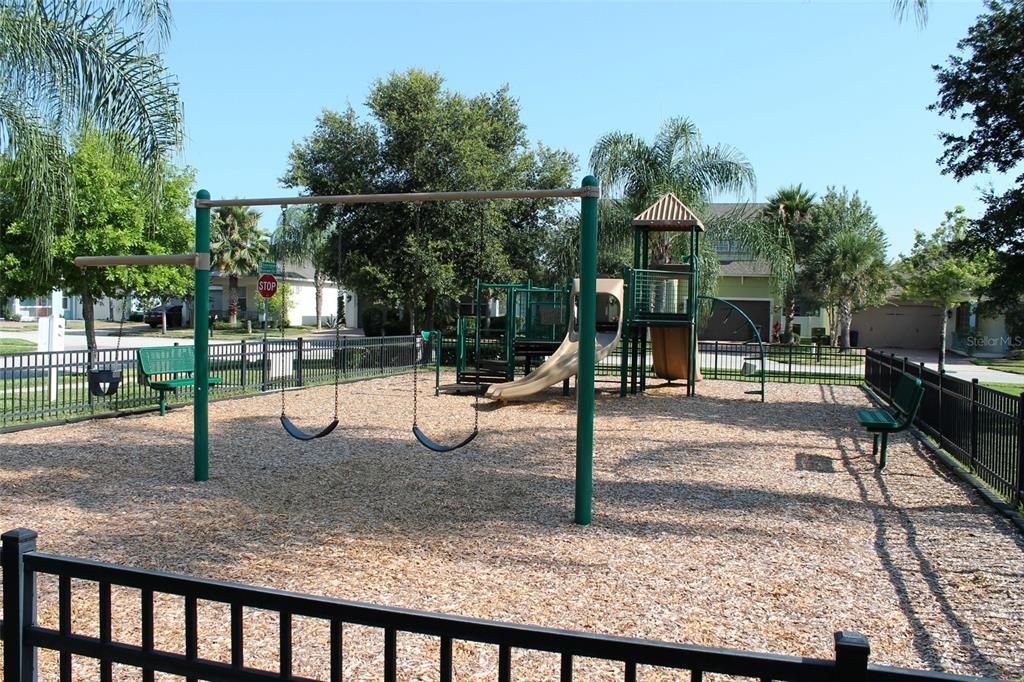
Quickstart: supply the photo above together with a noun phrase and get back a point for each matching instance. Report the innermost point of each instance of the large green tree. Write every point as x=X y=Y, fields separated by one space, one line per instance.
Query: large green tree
x=65 y=64
x=237 y=245
x=110 y=216
x=847 y=270
x=421 y=137
x=983 y=86
x=634 y=173
x=933 y=272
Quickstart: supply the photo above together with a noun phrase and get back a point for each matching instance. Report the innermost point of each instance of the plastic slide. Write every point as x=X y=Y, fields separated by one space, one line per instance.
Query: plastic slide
x=564 y=362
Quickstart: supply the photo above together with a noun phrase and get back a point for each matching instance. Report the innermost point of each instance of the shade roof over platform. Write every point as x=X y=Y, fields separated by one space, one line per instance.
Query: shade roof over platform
x=668 y=214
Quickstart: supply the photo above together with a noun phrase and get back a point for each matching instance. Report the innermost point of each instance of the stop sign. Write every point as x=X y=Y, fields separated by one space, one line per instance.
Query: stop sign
x=267 y=285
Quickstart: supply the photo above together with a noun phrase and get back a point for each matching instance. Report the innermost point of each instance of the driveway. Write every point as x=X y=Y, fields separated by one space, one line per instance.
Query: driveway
x=956 y=366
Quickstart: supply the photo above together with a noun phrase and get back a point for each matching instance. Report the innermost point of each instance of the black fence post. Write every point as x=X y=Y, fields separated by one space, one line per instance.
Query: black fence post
x=974 y=421
x=382 y=355
x=942 y=415
x=298 y=361
x=892 y=366
x=19 y=606
x=244 y=365
x=789 y=365
x=716 y=359
x=1020 y=449
x=852 y=652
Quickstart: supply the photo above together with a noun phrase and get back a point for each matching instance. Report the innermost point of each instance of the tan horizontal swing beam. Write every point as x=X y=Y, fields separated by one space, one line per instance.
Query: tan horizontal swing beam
x=409 y=197
x=193 y=260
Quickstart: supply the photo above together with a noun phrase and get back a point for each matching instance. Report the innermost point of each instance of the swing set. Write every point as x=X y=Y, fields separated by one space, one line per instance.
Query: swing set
x=588 y=193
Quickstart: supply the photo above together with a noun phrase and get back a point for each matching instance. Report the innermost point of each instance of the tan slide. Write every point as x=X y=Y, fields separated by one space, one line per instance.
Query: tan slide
x=564 y=362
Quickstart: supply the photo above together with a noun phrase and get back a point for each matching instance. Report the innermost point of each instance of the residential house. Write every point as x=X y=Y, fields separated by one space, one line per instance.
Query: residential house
x=746 y=282
x=301 y=302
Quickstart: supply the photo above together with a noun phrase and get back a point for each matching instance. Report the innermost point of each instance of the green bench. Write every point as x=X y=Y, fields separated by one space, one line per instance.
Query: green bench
x=906 y=400
x=168 y=368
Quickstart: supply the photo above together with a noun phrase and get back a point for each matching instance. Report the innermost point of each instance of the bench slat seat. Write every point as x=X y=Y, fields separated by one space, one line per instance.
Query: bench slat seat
x=897 y=417
x=168 y=368
x=876 y=419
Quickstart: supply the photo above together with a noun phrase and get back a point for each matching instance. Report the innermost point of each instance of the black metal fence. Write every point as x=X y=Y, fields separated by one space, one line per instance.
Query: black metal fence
x=23 y=636
x=784 y=363
x=981 y=427
x=45 y=387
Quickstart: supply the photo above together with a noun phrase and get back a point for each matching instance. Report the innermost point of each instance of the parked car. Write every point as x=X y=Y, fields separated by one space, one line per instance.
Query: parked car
x=154 y=317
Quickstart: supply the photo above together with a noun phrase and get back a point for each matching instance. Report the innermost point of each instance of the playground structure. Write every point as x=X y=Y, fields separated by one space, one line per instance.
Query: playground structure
x=507 y=325
x=658 y=320
x=564 y=361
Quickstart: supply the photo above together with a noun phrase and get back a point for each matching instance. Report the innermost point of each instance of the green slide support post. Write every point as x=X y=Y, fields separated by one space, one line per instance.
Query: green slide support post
x=694 y=307
x=587 y=351
x=438 y=349
x=201 y=323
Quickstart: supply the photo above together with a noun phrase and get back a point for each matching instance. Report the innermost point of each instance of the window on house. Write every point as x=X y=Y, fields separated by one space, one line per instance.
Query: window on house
x=806 y=309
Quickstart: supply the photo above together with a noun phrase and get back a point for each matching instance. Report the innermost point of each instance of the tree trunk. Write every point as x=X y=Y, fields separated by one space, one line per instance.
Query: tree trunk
x=833 y=324
x=845 y=320
x=233 y=299
x=942 y=341
x=411 y=309
x=431 y=303
x=163 y=314
x=318 y=287
x=790 y=313
x=89 y=318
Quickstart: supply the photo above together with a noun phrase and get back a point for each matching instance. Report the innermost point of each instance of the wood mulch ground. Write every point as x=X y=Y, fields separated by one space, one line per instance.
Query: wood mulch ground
x=718 y=521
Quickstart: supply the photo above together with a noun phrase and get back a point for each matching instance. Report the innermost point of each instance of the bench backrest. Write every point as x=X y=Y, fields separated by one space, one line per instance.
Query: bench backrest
x=906 y=399
x=167 y=360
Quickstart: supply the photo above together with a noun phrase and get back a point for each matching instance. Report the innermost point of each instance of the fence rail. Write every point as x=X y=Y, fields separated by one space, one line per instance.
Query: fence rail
x=50 y=386
x=22 y=635
x=980 y=427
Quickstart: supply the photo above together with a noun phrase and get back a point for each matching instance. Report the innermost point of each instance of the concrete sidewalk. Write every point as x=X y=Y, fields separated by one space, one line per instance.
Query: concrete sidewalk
x=956 y=366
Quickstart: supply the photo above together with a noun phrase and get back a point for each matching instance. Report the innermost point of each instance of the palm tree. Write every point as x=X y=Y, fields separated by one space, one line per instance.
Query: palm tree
x=635 y=173
x=65 y=63
x=238 y=245
x=298 y=239
x=784 y=239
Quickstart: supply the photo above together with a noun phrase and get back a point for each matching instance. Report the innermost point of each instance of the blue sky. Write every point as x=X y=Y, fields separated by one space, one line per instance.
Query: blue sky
x=820 y=93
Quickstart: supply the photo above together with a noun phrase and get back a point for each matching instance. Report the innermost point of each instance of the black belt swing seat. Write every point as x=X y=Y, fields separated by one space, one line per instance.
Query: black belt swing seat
x=290 y=428
x=425 y=440
x=429 y=443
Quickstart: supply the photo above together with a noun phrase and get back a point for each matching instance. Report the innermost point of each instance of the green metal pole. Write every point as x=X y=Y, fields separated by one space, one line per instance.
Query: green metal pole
x=587 y=350
x=201 y=323
x=691 y=376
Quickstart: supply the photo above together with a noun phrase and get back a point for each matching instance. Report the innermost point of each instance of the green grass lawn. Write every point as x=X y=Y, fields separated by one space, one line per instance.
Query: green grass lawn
x=1012 y=389
x=10 y=346
x=805 y=355
x=1015 y=366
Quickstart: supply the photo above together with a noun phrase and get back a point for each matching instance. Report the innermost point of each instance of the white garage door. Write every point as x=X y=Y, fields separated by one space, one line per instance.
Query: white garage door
x=898 y=326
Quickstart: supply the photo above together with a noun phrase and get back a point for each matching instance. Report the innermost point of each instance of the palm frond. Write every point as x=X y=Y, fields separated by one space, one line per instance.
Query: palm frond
x=66 y=65
x=40 y=163
x=901 y=8
x=711 y=170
